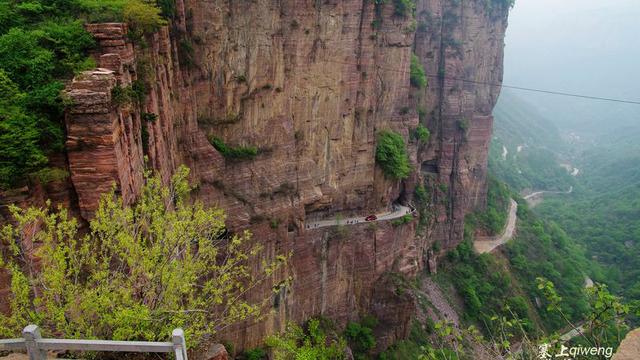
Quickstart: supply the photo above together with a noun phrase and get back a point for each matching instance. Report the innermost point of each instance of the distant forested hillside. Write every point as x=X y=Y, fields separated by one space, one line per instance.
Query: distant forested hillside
x=526 y=148
x=605 y=215
x=602 y=215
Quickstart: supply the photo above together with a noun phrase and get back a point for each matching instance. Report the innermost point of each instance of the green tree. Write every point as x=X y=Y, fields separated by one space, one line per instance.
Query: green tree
x=361 y=338
x=605 y=321
x=422 y=134
x=43 y=43
x=417 y=76
x=312 y=344
x=391 y=155
x=144 y=16
x=141 y=270
x=404 y=7
x=19 y=135
x=26 y=62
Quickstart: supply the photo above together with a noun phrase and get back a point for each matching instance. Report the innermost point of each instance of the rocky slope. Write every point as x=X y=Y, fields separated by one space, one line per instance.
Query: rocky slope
x=309 y=84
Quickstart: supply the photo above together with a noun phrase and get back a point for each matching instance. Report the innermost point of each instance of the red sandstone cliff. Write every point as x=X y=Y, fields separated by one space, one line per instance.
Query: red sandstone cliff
x=310 y=84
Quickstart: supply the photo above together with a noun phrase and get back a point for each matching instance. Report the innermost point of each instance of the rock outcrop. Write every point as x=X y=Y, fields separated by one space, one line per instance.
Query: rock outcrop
x=104 y=133
x=629 y=347
x=309 y=84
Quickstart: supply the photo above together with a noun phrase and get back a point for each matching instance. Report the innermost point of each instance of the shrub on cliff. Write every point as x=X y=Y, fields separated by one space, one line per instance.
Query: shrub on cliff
x=422 y=134
x=360 y=337
x=234 y=153
x=402 y=220
x=391 y=155
x=418 y=77
x=143 y=16
x=404 y=7
x=317 y=342
x=139 y=272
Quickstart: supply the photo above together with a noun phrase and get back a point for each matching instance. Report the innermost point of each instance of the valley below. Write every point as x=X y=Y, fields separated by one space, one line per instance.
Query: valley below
x=287 y=180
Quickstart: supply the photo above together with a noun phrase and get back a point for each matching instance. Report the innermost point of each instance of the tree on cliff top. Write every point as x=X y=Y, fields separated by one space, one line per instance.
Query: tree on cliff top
x=391 y=155
x=18 y=135
x=42 y=45
x=139 y=272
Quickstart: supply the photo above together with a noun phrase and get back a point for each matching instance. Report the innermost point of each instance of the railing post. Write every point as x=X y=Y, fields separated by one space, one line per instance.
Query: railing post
x=31 y=336
x=179 y=344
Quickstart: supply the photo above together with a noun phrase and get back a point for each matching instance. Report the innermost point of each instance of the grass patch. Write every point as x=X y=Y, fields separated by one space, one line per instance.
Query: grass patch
x=234 y=153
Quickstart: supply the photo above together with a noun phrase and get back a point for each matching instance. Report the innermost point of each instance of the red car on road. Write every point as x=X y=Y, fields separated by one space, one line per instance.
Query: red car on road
x=371 y=218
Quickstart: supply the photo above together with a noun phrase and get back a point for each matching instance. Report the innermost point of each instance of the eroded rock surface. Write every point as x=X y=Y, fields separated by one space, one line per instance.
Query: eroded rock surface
x=309 y=84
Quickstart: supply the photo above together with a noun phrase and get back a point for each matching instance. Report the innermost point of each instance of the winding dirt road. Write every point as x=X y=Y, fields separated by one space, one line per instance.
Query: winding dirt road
x=535 y=198
x=487 y=244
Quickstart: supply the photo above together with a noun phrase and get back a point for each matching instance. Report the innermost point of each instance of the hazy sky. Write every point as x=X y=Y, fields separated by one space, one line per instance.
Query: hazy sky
x=575 y=44
x=583 y=46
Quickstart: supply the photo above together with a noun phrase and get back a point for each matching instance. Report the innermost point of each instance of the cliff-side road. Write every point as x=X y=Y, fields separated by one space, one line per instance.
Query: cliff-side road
x=535 y=198
x=398 y=212
x=488 y=243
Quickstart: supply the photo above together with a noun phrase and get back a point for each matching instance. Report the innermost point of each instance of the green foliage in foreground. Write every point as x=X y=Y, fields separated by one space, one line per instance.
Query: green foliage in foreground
x=234 y=153
x=360 y=337
x=605 y=318
x=418 y=76
x=539 y=249
x=391 y=155
x=318 y=341
x=139 y=272
x=543 y=249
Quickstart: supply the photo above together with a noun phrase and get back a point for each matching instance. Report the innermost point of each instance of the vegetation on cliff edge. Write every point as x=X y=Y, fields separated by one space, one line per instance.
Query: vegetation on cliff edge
x=43 y=44
x=317 y=340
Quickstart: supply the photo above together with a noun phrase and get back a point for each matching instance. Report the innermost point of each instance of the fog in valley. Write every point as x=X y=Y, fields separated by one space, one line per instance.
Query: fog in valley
x=545 y=142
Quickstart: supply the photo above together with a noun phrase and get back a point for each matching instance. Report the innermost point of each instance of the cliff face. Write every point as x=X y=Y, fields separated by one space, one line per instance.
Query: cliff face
x=463 y=43
x=309 y=84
